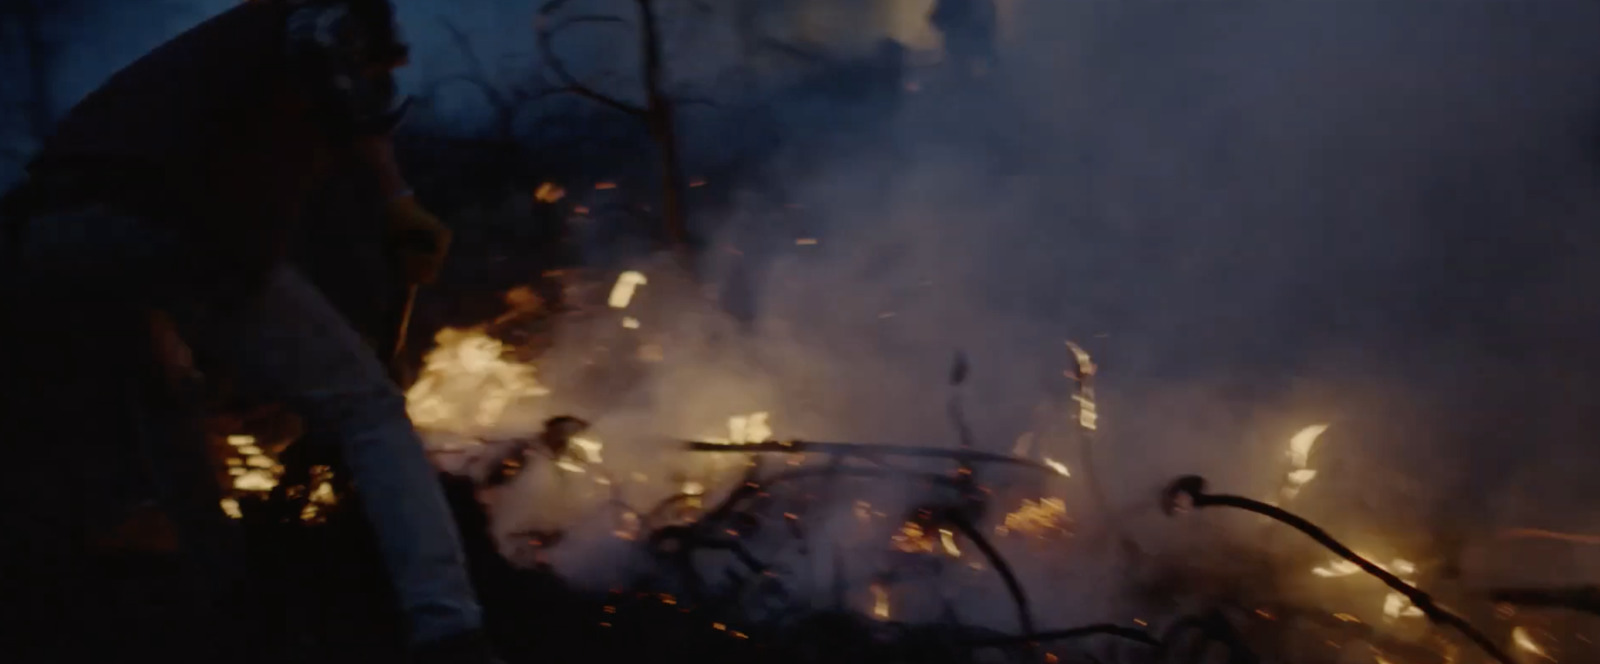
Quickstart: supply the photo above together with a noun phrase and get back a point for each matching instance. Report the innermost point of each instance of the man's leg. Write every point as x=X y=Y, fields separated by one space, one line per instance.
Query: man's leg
x=289 y=343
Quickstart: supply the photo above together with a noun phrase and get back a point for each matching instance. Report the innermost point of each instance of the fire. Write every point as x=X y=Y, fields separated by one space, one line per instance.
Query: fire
x=230 y=507
x=1524 y=641
x=1047 y=516
x=1299 y=453
x=880 y=602
x=468 y=384
x=1395 y=605
x=622 y=292
x=746 y=429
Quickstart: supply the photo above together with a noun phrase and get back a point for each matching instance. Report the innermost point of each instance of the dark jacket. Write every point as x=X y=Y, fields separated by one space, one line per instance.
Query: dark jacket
x=216 y=131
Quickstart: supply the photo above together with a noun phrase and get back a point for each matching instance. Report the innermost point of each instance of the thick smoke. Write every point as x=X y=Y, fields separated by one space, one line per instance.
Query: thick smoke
x=1258 y=216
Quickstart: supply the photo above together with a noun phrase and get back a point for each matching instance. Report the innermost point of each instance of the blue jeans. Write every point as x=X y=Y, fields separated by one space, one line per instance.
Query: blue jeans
x=282 y=342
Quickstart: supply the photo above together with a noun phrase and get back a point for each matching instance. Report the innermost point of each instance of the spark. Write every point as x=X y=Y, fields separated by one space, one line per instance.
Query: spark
x=693 y=489
x=603 y=186
x=1525 y=641
x=590 y=449
x=548 y=192
x=1060 y=468
x=806 y=242
x=622 y=292
x=880 y=602
x=230 y=507
x=630 y=323
x=241 y=441
x=948 y=539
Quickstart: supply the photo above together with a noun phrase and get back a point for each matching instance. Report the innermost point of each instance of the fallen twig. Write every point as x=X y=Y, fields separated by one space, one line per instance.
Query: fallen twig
x=1193 y=487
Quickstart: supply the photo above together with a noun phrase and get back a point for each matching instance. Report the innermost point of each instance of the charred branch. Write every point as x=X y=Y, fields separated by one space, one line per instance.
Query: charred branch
x=657 y=113
x=1013 y=586
x=868 y=451
x=1193 y=489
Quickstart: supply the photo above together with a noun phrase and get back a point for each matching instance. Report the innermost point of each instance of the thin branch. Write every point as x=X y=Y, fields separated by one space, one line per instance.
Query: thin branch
x=1024 y=614
x=570 y=83
x=1129 y=633
x=1193 y=487
x=1576 y=598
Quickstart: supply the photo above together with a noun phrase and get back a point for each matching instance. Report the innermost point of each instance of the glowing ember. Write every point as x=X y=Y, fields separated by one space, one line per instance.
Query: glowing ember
x=880 y=602
x=1525 y=642
x=912 y=539
x=622 y=292
x=230 y=507
x=1047 y=516
x=948 y=539
x=590 y=449
x=1300 y=446
x=467 y=383
x=549 y=193
x=1060 y=468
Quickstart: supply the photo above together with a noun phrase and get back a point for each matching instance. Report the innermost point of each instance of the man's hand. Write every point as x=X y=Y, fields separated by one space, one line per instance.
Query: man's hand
x=418 y=240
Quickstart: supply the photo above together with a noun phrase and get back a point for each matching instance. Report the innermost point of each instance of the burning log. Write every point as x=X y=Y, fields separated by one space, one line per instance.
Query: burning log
x=1193 y=488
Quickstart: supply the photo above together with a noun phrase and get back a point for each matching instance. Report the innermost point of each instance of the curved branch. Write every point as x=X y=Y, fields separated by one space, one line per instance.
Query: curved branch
x=1194 y=486
x=553 y=62
x=1024 y=614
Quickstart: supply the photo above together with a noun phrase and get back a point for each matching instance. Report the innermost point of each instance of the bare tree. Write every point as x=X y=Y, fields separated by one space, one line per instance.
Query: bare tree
x=657 y=112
